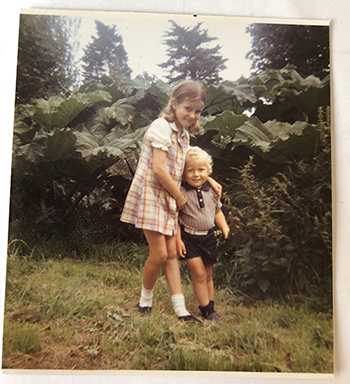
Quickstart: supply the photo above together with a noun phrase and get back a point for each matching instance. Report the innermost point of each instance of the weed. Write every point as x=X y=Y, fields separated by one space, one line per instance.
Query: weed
x=181 y=360
x=62 y=335
x=19 y=337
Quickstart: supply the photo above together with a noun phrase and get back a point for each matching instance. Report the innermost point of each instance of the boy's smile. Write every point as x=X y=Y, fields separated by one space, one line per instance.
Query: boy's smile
x=196 y=172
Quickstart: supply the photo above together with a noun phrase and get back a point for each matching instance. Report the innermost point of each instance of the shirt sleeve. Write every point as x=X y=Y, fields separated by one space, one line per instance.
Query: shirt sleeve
x=159 y=134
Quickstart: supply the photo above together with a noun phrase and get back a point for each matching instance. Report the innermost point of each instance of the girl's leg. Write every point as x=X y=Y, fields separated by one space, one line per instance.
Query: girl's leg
x=172 y=268
x=157 y=257
x=199 y=279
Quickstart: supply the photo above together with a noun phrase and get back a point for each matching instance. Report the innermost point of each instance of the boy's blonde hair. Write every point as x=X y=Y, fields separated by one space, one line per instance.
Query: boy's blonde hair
x=199 y=153
x=187 y=89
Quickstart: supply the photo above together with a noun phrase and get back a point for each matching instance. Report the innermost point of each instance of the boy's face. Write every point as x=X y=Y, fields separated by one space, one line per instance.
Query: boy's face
x=196 y=172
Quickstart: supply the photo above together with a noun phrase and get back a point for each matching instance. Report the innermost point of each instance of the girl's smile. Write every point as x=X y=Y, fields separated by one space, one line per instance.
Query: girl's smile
x=187 y=112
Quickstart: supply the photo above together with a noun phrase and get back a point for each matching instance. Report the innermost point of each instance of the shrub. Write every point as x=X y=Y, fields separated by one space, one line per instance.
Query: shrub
x=285 y=244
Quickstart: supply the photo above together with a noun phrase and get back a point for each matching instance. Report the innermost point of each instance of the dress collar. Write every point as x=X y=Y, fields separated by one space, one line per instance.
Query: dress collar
x=174 y=128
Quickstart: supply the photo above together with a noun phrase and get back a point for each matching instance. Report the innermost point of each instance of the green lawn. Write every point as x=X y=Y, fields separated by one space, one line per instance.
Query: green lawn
x=66 y=314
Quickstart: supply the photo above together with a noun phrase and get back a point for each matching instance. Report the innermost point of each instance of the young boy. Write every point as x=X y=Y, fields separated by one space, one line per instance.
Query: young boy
x=196 y=242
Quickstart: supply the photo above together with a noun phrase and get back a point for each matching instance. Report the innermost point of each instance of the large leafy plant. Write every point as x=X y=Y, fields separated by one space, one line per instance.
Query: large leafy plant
x=74 y=158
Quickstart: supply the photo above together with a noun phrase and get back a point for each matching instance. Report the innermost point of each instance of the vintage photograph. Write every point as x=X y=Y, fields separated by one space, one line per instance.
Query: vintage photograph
x=171 y=195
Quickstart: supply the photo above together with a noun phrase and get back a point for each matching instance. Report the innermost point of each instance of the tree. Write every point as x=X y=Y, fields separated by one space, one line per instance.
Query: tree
x=45 y=57
x=188 y=59
x=147 y=78
x=105 y=58
x=305 y=47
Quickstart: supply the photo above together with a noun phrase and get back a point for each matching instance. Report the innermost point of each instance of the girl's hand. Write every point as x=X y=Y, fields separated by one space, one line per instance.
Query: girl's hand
x=180 y=202
x=217 y=187
x=226 y=232
x=181 y=248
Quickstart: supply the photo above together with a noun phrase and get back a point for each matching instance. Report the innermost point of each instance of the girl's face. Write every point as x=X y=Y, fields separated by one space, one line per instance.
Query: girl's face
x=187 y=112
x=196 y=172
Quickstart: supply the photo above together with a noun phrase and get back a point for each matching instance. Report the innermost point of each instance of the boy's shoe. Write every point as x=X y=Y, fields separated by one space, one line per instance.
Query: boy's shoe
x=191 y=318
x=214 y=316
x=144 y=310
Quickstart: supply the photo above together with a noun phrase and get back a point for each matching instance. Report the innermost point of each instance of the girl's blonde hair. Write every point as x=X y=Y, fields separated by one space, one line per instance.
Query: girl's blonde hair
x=187 y=89
x=199 y=153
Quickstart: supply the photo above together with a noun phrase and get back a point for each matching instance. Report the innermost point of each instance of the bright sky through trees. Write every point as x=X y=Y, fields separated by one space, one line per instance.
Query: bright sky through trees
x=143 y=35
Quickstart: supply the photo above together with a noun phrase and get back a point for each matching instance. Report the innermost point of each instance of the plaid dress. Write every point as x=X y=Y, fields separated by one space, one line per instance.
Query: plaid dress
x=148 y=204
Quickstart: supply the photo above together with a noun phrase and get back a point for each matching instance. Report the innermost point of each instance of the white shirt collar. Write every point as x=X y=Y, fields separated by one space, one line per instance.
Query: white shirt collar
x=174 y=128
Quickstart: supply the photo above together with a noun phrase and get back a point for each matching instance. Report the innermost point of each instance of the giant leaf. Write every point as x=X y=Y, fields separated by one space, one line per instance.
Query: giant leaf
x=114 y=146
x=122 y=111
x=58 y=113
x=278 y=142
x=289 y=97
x=125 y=142
x=225 y=123
x=228 y=96
x=35 y=149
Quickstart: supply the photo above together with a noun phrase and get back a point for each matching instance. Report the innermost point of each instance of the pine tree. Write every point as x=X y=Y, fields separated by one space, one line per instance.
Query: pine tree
x=303 y=46
x=105 y=58
x=188 y=58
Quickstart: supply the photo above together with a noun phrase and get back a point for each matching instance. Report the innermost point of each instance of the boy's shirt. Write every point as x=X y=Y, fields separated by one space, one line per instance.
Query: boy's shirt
x=201 y=206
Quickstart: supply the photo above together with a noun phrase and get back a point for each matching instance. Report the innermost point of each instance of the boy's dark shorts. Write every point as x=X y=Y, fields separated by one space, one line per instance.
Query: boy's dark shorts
x=203 y=246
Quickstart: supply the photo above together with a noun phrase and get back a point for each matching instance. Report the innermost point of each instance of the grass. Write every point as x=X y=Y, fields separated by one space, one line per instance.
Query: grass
x=62 y=313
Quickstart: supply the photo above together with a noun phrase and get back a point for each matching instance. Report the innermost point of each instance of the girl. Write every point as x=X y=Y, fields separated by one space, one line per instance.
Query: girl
x=154 y=198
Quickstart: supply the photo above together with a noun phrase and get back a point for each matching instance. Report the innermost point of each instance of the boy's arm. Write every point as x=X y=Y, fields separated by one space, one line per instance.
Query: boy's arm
x=221 y=222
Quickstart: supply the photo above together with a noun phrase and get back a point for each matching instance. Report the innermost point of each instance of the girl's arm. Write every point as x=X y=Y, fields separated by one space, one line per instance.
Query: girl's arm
x=216 y=186
x=180 y=246
x=163 y=176
x=221 y=222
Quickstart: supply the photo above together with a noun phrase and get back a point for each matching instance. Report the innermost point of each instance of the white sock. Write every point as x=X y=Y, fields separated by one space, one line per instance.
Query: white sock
x=178 y=301
x=146 y=297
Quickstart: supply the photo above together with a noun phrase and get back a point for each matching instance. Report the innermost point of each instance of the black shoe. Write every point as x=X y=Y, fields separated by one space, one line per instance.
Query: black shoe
x=214 y=317
x=188 y=318
x=207 y=310
x=144 y=309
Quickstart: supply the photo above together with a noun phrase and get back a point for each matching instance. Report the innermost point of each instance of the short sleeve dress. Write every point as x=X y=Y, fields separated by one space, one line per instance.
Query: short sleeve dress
x=148 y=204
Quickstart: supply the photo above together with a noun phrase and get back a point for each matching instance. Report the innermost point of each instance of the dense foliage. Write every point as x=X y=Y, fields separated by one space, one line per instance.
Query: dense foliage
x=189 y=56
x=269 y=135
x=277 y=45
x=45 y=56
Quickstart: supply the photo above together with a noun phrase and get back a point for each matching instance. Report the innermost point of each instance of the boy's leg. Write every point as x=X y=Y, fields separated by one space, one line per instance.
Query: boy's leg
x=199 y=279
x=173 y=278
x=210 y=283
